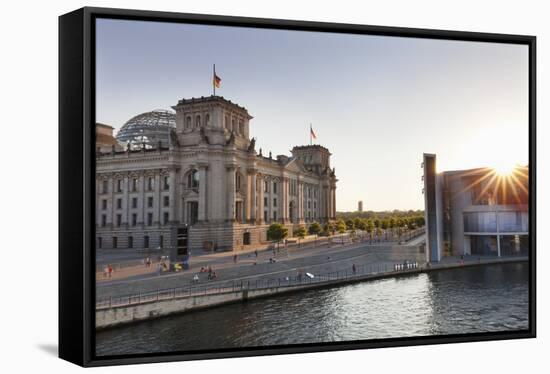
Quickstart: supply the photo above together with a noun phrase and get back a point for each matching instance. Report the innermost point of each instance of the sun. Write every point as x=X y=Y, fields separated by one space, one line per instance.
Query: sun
x=505 y=168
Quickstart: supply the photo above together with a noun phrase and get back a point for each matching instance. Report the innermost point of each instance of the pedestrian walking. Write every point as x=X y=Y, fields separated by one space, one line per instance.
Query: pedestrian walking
x=256 y=253
x=235 y=259
x=110 y=270
x=106 y=272
x=353 y=268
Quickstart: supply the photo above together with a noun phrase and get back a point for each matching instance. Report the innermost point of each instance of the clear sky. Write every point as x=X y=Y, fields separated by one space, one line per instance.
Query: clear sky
x=377 y=103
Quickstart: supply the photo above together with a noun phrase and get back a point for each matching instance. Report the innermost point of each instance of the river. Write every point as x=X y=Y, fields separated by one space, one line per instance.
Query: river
x=466 y=300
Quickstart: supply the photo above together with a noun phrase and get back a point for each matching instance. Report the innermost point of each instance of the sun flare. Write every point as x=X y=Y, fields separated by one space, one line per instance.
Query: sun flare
x=505 y=168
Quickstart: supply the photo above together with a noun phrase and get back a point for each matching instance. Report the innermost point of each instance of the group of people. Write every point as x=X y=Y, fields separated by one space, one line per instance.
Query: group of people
x=211 y=274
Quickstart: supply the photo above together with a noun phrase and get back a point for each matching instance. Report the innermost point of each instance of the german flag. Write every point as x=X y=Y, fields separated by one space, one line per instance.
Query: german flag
x=312 y=133
x=217 y=81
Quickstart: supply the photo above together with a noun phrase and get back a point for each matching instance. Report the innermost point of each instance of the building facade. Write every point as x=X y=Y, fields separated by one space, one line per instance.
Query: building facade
x=475 y=212
x=211 y=181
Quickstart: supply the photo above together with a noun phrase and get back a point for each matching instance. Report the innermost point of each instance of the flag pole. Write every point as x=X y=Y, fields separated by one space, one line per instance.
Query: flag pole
x=214 y=79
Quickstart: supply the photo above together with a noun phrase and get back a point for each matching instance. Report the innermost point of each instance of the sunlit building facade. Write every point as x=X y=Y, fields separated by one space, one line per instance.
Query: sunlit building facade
x=478 y=212
x=199 y=175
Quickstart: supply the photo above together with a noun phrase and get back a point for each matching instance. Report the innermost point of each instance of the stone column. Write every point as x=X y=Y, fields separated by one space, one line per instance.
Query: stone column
x=300 y=202
x=230 y=192
x=157 y=204
x=251 y=206
x=333 y=203
x=173 y=196
x=141 y=200
x=111 y=202
x=203 y=168
x=126 y=202
x=270 y=200
x=260 y=216
x=284 y=200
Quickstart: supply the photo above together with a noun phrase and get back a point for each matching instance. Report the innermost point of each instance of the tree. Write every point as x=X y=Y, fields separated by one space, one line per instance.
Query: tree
x=370 y=226
x=341 y=228
x=358 y=223
x=350 y=225
x=277 y=232
x=361 y=224
x=328 y=228
x=315 y=228
x=300 y=233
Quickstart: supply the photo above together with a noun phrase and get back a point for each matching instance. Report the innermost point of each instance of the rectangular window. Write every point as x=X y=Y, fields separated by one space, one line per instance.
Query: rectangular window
x=265 y=201
x=266 y=186
x=115 y=242
x=119 y=185
x=100 y=242
x=150 y=183
x=105 y=186
x=134 y=202
x=134 y=219
x=118 y=219
x=103 y=220
x=275 y=201
x=308 y=192
x=150 y=202
x=274 y=187
x=274 y=216
x=166 y=183
x=166 y=201
x=146 y=241
x=134 y=184
x=315 y=192
x=149 y=219
x=166 y=218
x=161 y=241
x=130 y=242
x=104 y=204
x=119 y=203
x=265 y=215
x=192 y=212
x=315 y=205
x=309 y=204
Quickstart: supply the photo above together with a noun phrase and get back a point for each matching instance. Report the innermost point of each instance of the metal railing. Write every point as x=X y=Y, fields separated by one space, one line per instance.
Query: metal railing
x=301 y=279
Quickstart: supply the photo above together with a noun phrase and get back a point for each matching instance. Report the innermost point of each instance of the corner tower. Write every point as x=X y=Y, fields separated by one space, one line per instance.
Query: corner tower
x=213 y=117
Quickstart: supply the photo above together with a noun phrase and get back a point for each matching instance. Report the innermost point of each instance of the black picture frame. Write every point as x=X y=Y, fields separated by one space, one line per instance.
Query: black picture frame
x=76 y=182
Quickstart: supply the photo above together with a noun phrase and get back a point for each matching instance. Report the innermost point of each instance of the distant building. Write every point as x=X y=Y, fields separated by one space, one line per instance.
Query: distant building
x=196 y=174
x=475 y=212
x=360 y=206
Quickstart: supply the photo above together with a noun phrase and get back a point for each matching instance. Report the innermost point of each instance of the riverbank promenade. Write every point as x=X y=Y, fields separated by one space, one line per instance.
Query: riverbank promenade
x=315 y=256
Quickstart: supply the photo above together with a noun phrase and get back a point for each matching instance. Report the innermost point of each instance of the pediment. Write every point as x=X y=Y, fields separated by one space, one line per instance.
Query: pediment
x=295 y=165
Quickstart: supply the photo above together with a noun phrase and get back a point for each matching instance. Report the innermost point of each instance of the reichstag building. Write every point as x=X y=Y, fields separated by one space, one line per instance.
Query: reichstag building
x=196 y=174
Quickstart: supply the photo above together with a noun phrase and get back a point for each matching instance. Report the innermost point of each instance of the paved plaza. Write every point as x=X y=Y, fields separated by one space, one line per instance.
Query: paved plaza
x=288 y=262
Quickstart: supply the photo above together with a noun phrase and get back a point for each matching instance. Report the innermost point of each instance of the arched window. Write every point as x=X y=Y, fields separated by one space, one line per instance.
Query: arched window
x=241 y=127
x=198 y=121
x=193 y=179
x=233 y=126
x=227 y=123
x=188 y=122
x=207 y=119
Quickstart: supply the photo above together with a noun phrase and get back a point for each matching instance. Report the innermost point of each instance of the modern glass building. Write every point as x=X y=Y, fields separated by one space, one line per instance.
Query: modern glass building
x=477 y=212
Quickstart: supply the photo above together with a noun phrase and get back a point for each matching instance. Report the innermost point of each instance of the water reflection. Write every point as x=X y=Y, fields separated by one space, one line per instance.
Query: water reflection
x=478 y=299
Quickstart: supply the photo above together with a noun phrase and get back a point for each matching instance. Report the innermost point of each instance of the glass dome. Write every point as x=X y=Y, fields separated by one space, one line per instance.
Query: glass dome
x=148 y=128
